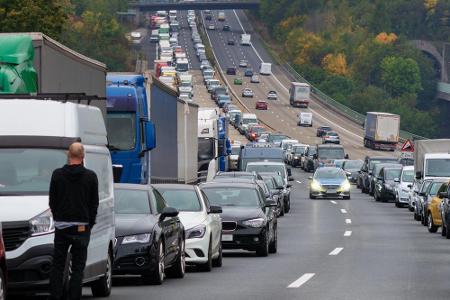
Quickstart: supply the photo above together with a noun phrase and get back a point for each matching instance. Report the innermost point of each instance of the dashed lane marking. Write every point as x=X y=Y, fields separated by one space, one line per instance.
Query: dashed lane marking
x=348 y=233
x=343 y=211
x=348 y=221
x=301 y=281
x=334 y=202
x=336 y=251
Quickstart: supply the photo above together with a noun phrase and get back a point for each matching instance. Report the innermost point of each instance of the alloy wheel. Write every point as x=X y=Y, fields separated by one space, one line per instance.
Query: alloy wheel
x=161 y=265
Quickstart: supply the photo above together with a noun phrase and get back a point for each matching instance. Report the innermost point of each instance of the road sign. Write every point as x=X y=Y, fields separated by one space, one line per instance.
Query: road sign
x=408 y=146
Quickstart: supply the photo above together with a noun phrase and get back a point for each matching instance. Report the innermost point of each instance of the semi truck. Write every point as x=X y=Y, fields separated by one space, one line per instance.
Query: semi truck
x=299 y=94
x=131 y=133
x=381 y=131
x=245 y=39
x=432 y=158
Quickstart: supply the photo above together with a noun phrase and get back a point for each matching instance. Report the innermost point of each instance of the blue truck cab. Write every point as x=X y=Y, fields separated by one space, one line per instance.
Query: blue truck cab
x=224 y=149
x=131 y=134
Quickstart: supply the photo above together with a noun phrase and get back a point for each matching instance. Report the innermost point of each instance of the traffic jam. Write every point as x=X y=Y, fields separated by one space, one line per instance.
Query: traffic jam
x=225 y=199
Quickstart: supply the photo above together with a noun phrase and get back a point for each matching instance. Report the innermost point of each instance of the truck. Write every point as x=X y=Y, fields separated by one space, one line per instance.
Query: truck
x=185 y=84
x=245 y=39
x=381 y=131
x=299 y=94
x=265 y=69
x=221 y=16
x=432 y=159
x=182 y=65
x=131 y=133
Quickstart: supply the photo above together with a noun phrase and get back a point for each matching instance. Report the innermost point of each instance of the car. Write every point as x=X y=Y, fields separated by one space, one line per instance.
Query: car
x=254 y=79
x=231 y=71
x=422 y=196
x=352 y=168
x=365 y=173
x=248 y=72
x=224 y=176
x=246 y=222
x=272 y=95
x=149 y=234
x=261 y=104
x=385 y=183
x=234 y=156
x=223 y=99
x=329 y=182
x=202 y=57
x=254 y=132
x=208 y=17
x=247 y=92
x=229 y=107
x=277 y=138
x=212 y=27
x=243 y=63
x=434 y=215
x=231 y=42
x=202 y=223
x=403 y=186
x=445 y=211
x=238 y=81
x=3 y=272
x=322 y=130
x=226 y=28
x=375 y=173
x=270 y=166
x=235 y=115
x=296 y=154
x=331 y=137
x=276 y=189
x=308 y=162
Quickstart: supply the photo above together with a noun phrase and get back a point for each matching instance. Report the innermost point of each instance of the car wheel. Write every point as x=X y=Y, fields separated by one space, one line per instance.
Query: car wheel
x=311 y=196
x=447 y=233
x=273 y=245
x=424 y=220
x=102 y=286
x=179 y=268
x=444 y=230
x=397 y=204
x=347 y=197
x=2 y=286
x=263 y=249
x=287 y=206
x=416 y=216
x=377 y=198
x=157 y=276
x=207 y=267
x=431 y=227
x=218 y=261
x=281 y=208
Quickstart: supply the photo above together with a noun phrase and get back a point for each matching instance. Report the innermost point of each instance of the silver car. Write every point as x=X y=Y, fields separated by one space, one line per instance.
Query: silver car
x=272 y=95
x=255 y=79
x=247 y=93
x=403 y=186
x=331 y=137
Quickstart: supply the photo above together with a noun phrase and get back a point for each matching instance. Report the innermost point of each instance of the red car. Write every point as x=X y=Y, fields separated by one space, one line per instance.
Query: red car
x=254 y=132
x=261 y=105
x=2 y=266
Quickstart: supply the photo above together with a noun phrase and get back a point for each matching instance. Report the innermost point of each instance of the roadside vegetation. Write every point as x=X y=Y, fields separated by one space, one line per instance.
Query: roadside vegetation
x=87 y=26
x=359 y=53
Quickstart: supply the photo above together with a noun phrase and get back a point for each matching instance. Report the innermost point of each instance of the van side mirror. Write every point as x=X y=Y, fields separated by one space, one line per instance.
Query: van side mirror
x=347 y=156
x=410 y=186
x=150 y=136
x=397 y=180
x=271 y=203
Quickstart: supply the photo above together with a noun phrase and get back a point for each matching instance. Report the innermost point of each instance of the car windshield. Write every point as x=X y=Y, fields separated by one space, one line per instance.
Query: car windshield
x=131 y=201
x=250 y=121
x=339 y=163
x=269 y=182
x=378 y=167
x=279 y=180
x=332 y=134
x=183 y=200
x=437 y=167
x=353 y=164
x=28 y=171
x=257 y=129
x=329 y=173
x=277 y=137
x=372 y=163
x=391 y=174
x=312 y=151
x=299 y=150
x=121 y=129
x=325 y=128
x=435 y=188
x=232 y=196
x=408 y=176
x=267 y=168
x=331 y=153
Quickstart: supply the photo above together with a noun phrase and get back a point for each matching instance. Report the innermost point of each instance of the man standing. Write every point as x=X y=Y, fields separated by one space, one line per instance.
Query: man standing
x=73 y=202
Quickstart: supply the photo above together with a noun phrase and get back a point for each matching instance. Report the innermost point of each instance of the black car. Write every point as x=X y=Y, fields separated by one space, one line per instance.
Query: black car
x=231 y=71
x=208 y=17
x=226 y=28
x=231 y=42
x=445 y=195
x=375 y=174
x=308 y=163
x=365 y=174
x=248 y=222
x=352 y=168
x=150 y=236
x=385 y=184
x=322 y=130
x=275 y=182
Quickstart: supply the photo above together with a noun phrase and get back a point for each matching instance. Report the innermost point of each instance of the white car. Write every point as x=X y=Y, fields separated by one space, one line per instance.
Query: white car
x=402 y=190
x=202 y=223
x=255 y=79
x=243 y=63
x=247 y=93
x=272 y=95
x=211 y=27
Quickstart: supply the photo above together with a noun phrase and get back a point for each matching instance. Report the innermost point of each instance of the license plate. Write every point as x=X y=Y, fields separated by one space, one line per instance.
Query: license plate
x=227 y=238
x=332 y=191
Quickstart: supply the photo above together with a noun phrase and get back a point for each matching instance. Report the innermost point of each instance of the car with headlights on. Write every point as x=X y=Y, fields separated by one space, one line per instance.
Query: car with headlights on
x=201 y=221
x=331 y=137
x=403 y=186
x=434 y=216
x=385 y=185
x=351 y=168
x=150 y=238
x=248 y=219
x=329 y=182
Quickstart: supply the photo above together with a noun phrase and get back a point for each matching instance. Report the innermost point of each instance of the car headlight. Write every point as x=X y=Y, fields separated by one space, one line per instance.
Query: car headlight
x=42 y=224
x=348 y=173
x=315 y=185
x=137 y=238
x=345 y=186
x=295 y=157
x=196 y=232
x=256 y=223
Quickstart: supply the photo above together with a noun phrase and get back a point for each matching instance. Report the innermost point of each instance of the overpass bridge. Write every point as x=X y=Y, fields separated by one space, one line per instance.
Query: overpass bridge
x=154 y=5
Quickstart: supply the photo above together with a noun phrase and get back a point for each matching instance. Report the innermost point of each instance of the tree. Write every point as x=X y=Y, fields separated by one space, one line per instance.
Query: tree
x=335 y=64
x=400 y=75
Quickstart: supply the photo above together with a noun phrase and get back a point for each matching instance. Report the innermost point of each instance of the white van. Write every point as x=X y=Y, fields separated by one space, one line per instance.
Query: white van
x=305 y=119
x=154 y=37
x=246 y=120
x=34 y=138
x=265 y=69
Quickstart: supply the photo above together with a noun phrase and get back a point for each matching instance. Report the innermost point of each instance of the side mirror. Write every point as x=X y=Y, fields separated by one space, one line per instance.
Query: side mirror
x=315 y=156
x=289 y=185
x=370 y=172
x=215 y=209
x=280 y=187
x=271 y=203
x=150 y=135
x=410 y=186
x=168 y=212
x=310 y=178
x=422 y=194
x=442 y=195
x=397 y=180
x=290 y=178
x=346 y=156
x=289 y=171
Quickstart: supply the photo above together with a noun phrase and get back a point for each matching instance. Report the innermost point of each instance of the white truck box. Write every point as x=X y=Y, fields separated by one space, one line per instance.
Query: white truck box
x=265 y=69
x=432 y=158
x=381 y=130
x=246 y=39
x=299 y=94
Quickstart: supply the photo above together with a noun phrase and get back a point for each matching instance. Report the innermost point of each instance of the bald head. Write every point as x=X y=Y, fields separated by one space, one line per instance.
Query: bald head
x=76 y=154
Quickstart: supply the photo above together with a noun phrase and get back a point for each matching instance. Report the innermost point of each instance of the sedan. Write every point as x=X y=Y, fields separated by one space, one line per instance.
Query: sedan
x=248 y=72
x=329 y=182
x=322 y=130
x=247 y=93
x=150 y=236
x=254 y=79
x=231 y=71
x=272 y=95
x=243 y=63
x=201 y=221
x=226 y=28
x=331 y=137
x=261 y=104
x=247 y=223
x=385 y=184
x=276 y=190
x=253 y=132
x=238 y=81
x=231 y=42
x=211 y=27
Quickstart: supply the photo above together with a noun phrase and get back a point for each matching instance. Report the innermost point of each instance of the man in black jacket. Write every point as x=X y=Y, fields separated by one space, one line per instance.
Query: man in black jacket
x=73 y=202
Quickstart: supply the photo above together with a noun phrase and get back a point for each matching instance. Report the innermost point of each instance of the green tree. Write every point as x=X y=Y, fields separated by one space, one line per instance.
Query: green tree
x=400 y=75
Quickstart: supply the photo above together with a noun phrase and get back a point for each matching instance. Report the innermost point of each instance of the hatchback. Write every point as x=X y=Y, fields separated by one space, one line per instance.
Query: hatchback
x=243 y=63
x=248 y=72
x=231 y=71
x=261 y=104
x=238 y=81
x=255 y=79
x=272 y=95
x=331 y=137
x=247 y=93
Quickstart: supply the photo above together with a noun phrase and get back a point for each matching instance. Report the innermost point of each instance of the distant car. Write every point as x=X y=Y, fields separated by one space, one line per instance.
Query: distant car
x=254 y=132
x=202 y=56
x=226 y=28
x=238 y=81
x=329 y=182
x=231 y=71
x=212 y=27
x=322 y=130
x=243 y=63
x=261 y=104
x=247 y=93
x=331 y=137
x=272 y=95
x=254 y=79
x=248 y=72
x=231 y=42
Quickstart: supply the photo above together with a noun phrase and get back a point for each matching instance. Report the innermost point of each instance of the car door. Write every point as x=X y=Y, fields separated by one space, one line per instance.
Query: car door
x=269 y=212
x=215 y=222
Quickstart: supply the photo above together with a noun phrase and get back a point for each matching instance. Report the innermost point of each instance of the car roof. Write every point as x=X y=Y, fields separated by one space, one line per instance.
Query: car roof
x=382 y=157
x=408 y=168
x=131 y=186
x=174 y=186
x=229 y=184
x=265 y=163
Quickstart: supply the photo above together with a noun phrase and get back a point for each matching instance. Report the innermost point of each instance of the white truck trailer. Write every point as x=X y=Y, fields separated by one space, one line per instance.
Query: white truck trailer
x=299 y=94
x=246 y=39
x=381 y=131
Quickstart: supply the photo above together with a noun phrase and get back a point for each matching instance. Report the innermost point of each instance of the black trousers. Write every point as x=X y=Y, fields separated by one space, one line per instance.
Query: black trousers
x=78 y=243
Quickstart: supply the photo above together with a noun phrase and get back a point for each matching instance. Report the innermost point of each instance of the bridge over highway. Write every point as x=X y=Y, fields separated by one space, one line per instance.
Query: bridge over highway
x=154 y=5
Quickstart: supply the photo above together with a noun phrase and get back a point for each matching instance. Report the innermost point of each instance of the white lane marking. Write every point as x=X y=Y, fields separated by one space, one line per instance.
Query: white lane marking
x=348 y=233
x=301 y=281
x=348 y=221
x=343 y=211
x=336 y=251
x=299 y=181
x=332 y=201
